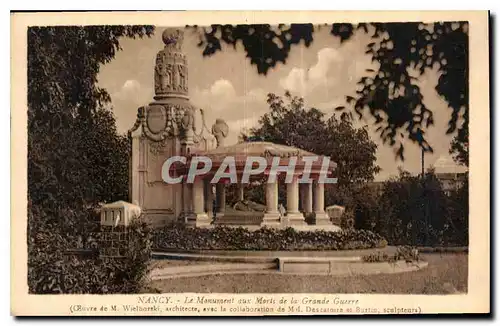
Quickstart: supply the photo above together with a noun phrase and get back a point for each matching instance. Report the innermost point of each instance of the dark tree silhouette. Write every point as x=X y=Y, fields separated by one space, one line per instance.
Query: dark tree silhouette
x=75 y=159
x=460 y=146
x=290 y=122
x=75 y=155
x=389 y=94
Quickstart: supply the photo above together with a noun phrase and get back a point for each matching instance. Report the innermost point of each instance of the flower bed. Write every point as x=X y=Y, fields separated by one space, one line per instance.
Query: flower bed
x=179 y=237
x=407 y=253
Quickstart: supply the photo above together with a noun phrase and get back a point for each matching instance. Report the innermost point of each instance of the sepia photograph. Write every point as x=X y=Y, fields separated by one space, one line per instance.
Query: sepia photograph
x=289 y=167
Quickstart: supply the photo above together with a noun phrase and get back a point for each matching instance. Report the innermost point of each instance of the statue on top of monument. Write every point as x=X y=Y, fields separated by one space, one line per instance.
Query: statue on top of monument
x=173 y=38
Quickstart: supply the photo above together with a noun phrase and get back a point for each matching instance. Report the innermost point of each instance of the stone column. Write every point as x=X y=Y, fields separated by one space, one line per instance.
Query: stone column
x=209 y=200
x=321 y=218
x=221 y=199
x=134 y=169
x=199 y=218
x=302 y=193
x=308 y=198
x=294 y=217
x=187 y=207
x=241 y=192
x=271 y=216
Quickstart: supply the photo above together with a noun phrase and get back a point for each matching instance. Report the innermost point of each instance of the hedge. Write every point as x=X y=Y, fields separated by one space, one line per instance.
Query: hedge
x=407 y=253
x=54 y=270
x=178 y=237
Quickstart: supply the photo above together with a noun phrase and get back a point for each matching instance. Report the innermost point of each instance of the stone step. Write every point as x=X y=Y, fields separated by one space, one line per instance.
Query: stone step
x=191 y=270
x=214 y=258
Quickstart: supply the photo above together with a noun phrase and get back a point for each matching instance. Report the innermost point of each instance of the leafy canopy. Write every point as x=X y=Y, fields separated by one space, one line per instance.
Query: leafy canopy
x=390 y=94
x=290 y=122
x=75 y=155
x=75 y=158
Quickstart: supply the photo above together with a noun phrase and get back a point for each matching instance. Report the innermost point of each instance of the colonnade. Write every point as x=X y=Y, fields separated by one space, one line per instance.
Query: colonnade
x=196 y=204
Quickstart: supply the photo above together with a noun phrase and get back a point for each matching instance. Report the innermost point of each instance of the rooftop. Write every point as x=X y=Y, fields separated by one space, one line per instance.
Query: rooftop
x=258 y=148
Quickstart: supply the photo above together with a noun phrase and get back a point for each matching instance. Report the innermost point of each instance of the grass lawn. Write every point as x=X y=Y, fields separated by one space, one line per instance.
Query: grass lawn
x=446 y=273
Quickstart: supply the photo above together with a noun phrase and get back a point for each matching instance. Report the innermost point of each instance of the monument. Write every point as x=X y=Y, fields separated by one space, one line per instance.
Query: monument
x=167 y=127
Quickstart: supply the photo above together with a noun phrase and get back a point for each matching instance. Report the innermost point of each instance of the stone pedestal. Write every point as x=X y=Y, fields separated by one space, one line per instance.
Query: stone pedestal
x=335 y=213
x=271 y=216
x=199 y=217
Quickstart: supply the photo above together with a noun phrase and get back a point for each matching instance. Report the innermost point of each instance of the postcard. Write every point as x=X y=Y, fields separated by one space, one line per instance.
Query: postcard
x=250 y=163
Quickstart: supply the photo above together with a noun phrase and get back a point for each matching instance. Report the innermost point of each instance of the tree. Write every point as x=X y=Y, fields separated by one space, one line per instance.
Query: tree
x=415 y=210
x=390 y=95
x=460 y=146
x=75 y=156
x=290 y=123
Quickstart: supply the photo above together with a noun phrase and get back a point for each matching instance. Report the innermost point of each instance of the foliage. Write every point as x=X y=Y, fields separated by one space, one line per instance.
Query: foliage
x=360 y=201
x=390 y=94
x=180 y=237
x=415 y=210
x=52 y=271
x=259 y=41
x=406 y=253
x=76 y=158
x=457 y=223
x=460 y=146
x=290 y=123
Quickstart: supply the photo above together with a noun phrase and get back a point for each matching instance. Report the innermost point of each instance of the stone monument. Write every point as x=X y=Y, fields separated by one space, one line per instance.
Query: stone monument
x=164 y=128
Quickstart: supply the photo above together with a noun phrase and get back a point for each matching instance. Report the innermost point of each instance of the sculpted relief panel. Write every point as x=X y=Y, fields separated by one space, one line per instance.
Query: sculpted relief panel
x=158 y=194
x=171 y=72
x=170 y=75
x=156 y=118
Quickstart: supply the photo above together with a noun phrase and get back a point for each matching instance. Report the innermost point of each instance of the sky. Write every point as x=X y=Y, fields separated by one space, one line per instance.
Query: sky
x=226 y=86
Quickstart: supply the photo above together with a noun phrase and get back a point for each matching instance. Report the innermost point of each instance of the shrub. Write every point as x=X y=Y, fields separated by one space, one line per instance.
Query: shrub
x=52 y=271
x=179 y=237
x=407 y=253
x=415 y=210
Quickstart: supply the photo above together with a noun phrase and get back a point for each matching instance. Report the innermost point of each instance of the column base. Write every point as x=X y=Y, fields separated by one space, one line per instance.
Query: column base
x=198 y=220
x=322 y=218
x=271 y=220
x=295 y=218
x=219 y=214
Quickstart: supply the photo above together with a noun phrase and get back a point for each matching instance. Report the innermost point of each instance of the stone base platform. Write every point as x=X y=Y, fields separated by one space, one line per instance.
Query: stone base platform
x=305 y=227
x=344 y=266
x=335 y=263
x=255 y=220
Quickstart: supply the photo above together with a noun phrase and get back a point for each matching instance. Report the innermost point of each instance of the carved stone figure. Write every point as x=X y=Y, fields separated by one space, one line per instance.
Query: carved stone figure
x=188 y=120
x=220 y=129
x=173 y=38
x=158 y=78
x=168 y=76
x=182 y=77
x=249 y=206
